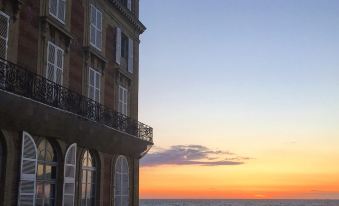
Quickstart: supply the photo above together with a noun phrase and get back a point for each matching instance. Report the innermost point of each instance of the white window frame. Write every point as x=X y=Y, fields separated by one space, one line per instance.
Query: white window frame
x=28 y=177
x=95 y=88
x=70 y=180
x=55 y=63
x=56 y=16
x=97 y=29
x=123 y=100
x=121 y=173
x=7 y=32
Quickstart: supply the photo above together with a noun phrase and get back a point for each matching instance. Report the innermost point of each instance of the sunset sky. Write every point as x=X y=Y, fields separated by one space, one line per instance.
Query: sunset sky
x=243 y=96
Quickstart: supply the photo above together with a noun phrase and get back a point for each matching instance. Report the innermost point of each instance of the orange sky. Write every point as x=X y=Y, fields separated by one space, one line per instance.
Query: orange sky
x=243 y=97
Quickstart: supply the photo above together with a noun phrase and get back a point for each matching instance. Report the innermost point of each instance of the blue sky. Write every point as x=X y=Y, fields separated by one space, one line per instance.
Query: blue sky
x=245 y=63
x=258 y=79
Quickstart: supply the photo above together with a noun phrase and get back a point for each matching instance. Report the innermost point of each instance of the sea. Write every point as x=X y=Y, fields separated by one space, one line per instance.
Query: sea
x=239 y=202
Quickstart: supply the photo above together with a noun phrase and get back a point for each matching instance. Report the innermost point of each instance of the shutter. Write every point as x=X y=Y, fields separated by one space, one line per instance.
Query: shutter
x=59 y=64
x=4 y=26
x=97 y=86
x=53 y=5
x=69 y=176
x=61 y=10
x=50 y=62
x=125 y=101
x=130 y=55
x=91 y=84
x=129 y=4
x=99 y=29
x=118 y=46
x=92 y=27
x=28 y=171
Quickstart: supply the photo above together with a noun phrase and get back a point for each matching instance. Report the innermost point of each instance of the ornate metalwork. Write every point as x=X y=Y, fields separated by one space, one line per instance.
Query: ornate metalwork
x=16 y=79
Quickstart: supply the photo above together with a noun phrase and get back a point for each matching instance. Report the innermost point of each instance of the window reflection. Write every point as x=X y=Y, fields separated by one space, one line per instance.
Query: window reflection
x=46 y=175
x=87 y=180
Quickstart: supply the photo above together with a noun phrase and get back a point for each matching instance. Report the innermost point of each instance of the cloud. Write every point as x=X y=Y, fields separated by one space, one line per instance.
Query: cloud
x=191 y=155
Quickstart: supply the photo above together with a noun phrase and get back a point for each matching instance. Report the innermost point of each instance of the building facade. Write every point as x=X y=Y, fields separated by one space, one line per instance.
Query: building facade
x=69 y=129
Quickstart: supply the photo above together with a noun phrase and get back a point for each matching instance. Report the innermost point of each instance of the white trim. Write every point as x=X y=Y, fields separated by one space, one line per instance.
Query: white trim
x=96 y=89
x=129 y=5
x=27 y=177
x=130 y=55
x=118 y=46
x=7 y=32
x=54 y=64
x=122 y=159
x=56 y=16
x=97 y=29
x=123 y=100
x=70 y=180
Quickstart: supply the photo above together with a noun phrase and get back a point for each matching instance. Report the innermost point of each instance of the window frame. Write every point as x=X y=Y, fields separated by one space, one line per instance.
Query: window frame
x=7 y=33
x=122 y=101
x=67 y=179
x=44 y=181
x=25 y=177
x=94 y=172
x=96 y=28
x=56 y=16
x=121 y=158
x=95 y=89
x=55 y=63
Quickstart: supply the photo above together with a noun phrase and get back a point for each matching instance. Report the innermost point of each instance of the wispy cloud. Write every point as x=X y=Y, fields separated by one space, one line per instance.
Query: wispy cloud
x=191 y=155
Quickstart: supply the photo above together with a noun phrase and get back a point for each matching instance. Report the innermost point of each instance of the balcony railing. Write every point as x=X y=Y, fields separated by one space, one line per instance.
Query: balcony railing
x=16 y=79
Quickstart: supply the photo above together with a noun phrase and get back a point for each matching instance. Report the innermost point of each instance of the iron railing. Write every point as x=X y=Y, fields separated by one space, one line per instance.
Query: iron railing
x=18 y=80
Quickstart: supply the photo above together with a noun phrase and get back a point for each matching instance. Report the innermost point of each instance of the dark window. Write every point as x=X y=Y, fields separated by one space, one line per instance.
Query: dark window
x=1 y=162
x=123 y=2
x=124 y=46
x=46 y=174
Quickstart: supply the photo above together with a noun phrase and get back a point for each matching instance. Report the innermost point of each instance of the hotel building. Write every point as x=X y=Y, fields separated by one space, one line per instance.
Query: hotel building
x=69 y=129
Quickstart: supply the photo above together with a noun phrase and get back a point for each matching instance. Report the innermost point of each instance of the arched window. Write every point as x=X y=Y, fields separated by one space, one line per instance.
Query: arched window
x=46 y=174
x=88 y=174
x=121 y=189
x=27 y=184
x=69 y=176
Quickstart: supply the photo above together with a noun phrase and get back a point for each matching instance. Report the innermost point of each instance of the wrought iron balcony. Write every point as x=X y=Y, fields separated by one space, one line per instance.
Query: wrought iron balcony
x=17 y=80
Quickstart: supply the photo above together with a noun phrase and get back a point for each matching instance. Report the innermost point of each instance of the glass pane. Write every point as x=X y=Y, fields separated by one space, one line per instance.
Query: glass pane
x=89 y=177
x=39 y=190
x=39 y=202
x=84 y=176
x=47 y=192
x=40 y=173
x=68 y=200
x=53 y=173
x=48 y=174
x=69 y=188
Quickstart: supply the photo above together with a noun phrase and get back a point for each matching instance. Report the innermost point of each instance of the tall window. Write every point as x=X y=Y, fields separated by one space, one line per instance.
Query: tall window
x=4 y=25
x=94 y=85
x=69 y=175
x=121 y=179
x=88 y=174
x=123 y=100
x=46 y=175
x=57 y=8
x=124 y=49
x=55 y=62
x=96 y=28
x=28 y=171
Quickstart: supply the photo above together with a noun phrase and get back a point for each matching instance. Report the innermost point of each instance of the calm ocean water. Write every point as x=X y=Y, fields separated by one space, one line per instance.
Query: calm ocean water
x=239 y=202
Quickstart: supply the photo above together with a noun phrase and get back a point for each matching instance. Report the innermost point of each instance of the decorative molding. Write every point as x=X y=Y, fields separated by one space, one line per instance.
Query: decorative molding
x=130 y=16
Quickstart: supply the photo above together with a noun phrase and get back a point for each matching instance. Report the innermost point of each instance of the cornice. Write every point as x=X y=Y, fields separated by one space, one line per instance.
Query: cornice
x=128 y=15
